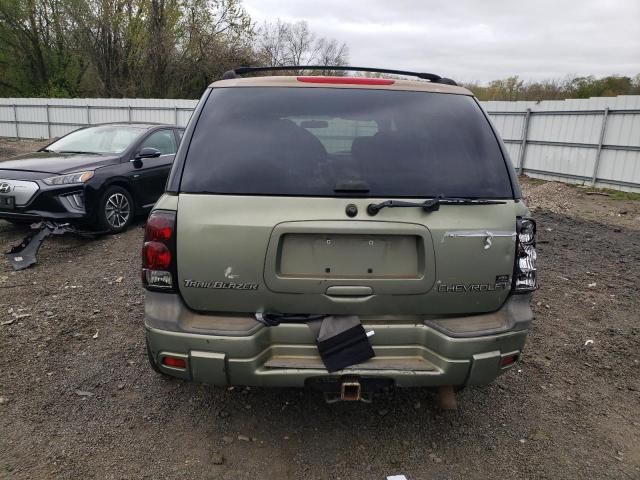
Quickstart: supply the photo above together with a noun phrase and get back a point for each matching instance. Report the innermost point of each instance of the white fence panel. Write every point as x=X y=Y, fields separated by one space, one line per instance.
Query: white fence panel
x=590 y=141
x=514 y=151
x=561 y=160
x=554 y=139
x=623 y=130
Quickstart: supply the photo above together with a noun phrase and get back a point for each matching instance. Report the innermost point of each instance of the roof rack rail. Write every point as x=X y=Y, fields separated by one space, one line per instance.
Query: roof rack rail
x=236 y=72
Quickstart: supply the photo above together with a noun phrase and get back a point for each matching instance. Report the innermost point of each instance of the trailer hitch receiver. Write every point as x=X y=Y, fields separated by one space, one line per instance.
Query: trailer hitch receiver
x=351 y=391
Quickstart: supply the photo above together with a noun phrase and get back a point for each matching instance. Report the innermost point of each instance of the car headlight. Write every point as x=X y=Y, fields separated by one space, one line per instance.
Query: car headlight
x=71 y=178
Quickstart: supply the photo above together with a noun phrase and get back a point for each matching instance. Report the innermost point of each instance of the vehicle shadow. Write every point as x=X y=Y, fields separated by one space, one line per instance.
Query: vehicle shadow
x=404 y=429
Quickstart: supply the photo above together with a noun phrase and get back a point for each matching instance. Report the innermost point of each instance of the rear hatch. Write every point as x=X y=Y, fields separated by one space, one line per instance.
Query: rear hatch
x=272 y=210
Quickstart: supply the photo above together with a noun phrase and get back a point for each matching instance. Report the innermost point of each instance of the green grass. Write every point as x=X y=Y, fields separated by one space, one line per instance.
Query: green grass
x=618 y=195
x=531 y=180
x=614 y=194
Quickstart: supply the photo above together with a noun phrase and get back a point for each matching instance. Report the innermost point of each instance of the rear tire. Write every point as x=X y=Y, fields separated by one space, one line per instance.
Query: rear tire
x=115 y=209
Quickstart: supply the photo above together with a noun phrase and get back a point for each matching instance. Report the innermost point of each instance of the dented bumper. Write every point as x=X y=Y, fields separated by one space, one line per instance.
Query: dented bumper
x=236 y=349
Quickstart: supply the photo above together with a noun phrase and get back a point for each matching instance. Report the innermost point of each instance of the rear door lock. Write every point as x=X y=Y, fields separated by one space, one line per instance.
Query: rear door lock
x=351 y=210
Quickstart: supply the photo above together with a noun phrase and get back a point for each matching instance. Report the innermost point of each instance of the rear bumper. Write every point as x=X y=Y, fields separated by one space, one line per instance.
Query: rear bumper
x=224 y=350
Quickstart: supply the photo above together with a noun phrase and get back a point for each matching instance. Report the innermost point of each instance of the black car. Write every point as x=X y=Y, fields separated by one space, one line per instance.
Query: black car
x=99 y=176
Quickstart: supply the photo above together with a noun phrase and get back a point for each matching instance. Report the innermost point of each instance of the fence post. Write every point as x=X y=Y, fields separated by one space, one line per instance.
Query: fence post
x=523 y=145
x=15 y=119
x=599 y=151
x=88 y=115
x=48 y=122
x=175 y=115
x=129 y=112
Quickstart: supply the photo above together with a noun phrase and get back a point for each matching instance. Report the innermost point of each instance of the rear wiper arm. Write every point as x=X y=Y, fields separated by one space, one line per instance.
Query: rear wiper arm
x=430 y=205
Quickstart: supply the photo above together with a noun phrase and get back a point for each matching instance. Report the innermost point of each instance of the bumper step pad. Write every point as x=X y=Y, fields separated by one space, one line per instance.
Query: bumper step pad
x=341 y=339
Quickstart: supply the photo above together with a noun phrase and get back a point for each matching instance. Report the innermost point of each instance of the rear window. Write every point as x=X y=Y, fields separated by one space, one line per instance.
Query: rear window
x=319 y=141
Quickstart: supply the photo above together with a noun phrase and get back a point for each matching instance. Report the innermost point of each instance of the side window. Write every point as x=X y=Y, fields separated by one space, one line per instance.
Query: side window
x=163 y=140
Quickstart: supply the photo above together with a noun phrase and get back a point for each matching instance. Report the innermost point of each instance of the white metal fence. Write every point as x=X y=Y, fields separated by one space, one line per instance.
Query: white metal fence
x=593 y=141
x=53 y=117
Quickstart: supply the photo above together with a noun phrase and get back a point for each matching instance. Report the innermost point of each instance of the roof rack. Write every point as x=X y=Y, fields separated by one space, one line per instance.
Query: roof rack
x=432 y=77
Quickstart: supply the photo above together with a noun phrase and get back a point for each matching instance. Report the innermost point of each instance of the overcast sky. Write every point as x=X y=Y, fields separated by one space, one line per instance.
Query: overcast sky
x=476 y=40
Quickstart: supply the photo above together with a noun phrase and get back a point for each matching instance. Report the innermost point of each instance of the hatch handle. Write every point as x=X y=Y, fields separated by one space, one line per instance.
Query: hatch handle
x=349 y=291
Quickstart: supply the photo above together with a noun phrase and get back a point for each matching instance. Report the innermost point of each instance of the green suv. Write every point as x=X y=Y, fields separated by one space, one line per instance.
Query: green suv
x=386 y=211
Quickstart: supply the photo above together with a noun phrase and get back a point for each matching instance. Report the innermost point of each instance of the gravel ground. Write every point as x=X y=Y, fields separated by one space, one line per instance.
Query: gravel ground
x=77 y=399
x=585 y=203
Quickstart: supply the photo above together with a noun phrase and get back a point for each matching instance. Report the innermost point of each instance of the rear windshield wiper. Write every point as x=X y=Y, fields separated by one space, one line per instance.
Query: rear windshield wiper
x=430 y=205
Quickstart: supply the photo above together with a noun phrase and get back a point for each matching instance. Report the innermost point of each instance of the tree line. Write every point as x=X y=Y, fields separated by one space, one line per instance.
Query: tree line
x=514 y=88
x=175 y=48
x=142 y=48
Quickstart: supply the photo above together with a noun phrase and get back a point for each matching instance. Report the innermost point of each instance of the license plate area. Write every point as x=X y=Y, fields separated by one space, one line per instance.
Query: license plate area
x=7 y=202
x=351 y=256
x=379 y=257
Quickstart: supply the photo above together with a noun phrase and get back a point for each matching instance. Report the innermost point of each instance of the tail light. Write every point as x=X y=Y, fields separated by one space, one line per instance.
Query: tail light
x=525 y=275
x=174 y=362
x=158 y=252
x=508 y=360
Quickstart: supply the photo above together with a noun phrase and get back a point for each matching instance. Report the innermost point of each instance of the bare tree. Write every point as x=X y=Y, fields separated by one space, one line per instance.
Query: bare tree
x=272 y=43
x=300 y=44
x=281 y=43
x=332 y=53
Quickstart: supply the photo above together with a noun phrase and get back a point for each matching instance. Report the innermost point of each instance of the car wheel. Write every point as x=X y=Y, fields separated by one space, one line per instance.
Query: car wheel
x=116 y=209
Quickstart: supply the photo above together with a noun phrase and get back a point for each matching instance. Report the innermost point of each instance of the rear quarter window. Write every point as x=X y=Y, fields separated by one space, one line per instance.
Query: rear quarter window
x=308 y=141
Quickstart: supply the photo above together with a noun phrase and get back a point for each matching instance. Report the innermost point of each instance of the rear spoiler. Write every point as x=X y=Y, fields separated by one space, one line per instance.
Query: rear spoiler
x=432 y=77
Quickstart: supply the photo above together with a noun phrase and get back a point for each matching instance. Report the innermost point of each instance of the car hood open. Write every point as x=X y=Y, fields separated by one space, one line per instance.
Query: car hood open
x=57 y=163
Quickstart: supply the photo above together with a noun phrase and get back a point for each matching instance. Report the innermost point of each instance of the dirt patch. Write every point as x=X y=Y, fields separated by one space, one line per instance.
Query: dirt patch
x=551 y=196
x=611 y=208
x=13 y=146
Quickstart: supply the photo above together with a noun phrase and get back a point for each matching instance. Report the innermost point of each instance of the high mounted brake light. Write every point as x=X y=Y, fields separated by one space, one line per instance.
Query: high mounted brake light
x=525 y=274
x=158 y=252
x=347 y=80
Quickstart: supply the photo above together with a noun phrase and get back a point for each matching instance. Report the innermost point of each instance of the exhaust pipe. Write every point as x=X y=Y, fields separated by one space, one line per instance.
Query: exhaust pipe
x=447 y=398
